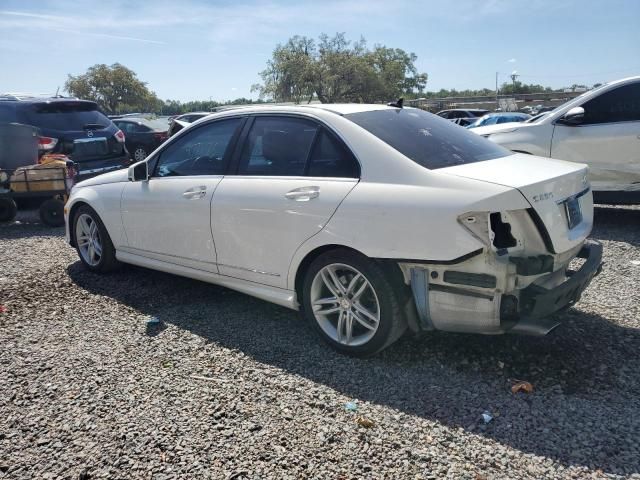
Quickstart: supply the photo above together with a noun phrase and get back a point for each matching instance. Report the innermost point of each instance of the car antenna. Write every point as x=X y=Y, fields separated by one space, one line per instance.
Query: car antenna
x=398 y=103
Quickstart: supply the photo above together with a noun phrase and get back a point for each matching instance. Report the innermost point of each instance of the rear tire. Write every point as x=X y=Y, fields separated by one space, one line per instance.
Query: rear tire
x=8 y=209
x=353 y=303
x=52 y=212
x=93 y=243
x=139 y=153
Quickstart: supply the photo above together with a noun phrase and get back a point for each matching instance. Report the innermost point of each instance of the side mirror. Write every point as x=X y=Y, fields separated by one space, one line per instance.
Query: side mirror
x=138 y=172
x=575 y=116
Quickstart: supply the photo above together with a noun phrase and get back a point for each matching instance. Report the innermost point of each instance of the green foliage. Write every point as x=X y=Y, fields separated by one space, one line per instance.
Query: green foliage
x=338 y=70
x=115 y=88
x=519 y=87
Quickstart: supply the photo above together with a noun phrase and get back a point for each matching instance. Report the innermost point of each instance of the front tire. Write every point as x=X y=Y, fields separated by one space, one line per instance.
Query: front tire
x=93 y=244
x=353 y=303
x=8 y=209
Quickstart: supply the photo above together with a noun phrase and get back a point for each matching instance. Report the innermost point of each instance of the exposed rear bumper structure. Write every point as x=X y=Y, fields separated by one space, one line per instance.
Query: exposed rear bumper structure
x=478 y=308
x=538 y=303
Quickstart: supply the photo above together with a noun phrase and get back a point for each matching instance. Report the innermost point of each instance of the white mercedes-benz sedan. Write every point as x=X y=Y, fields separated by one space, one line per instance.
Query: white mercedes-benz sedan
x=370 y=219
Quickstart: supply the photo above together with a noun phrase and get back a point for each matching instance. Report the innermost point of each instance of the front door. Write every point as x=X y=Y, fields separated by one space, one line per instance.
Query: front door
x=291 y=176
x=168 y=217
x=608 y=140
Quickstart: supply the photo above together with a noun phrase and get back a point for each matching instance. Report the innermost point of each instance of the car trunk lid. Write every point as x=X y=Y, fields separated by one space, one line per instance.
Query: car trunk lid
x=558 y=192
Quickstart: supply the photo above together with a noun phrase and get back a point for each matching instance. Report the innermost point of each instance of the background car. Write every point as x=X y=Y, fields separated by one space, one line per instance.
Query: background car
x=370 y=219
x=498 y=118
x=72 y=127
x=600 y=127
x=462 y=117
x=181 y=121
x=142 y=135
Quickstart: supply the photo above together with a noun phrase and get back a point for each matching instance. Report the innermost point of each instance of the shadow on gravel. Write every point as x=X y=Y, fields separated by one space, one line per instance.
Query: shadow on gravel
x=584 y=411
x=617 y=224
x=28 y=224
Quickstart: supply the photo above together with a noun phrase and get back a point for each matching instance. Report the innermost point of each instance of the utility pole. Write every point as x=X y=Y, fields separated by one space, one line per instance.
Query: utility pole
x=513 y=76
x=497 y=101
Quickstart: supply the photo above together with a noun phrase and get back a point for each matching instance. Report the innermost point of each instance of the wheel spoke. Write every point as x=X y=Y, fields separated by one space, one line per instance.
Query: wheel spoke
x=97 y=248
x=84 y=225
x=360 y=290
x=363 y=311
x=332 y=302
x=352 y=283
x=340 y=326
x=348 y=327
x=363 y=321
x=336 y=281
x=329 y=283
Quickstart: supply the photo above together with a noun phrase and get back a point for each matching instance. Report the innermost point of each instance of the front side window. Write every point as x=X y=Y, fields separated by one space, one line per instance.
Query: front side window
x=202 y=151
x=427 y=139
x=277 y=146
x=621 y=104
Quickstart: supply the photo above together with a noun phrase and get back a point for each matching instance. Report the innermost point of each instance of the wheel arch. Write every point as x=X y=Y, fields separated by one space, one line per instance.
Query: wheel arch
x=72 y=213
x=391 y=267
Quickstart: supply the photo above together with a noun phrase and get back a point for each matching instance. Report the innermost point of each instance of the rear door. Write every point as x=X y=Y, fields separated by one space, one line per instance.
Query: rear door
x=291 y=174
x=168 y=217
x=608 y=140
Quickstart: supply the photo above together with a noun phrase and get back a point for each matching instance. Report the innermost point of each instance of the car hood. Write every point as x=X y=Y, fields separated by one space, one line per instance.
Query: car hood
x=499 y=128
x=546 y=184
x=111 y=177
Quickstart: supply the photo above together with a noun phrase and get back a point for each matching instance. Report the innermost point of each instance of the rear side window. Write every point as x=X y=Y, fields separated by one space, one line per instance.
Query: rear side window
x=427 y=139
x=65 y=116
x=331 y=158
x=619 y=105
x=277 y=146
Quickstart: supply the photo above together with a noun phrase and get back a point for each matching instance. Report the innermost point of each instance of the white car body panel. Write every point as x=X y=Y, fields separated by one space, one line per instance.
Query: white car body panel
x=247 y=209
x=244 y=233
x=611 y=169
x=612 y=150
x=148 y=206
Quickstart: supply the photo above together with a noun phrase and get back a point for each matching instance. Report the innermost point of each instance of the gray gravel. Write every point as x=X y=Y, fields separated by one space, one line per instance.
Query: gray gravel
x=227 y=386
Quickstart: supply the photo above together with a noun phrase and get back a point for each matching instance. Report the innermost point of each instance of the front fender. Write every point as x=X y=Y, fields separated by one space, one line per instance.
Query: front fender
x=105 y=200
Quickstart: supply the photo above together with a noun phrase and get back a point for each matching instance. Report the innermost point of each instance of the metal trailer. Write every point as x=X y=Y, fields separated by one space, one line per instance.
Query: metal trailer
x=52 y=185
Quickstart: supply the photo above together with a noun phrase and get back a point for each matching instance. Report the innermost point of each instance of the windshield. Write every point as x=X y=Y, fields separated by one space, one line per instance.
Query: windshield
x=427 y=139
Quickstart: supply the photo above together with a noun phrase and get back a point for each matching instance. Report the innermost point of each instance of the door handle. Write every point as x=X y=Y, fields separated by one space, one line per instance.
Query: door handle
x=195 y=193
x=303 y=194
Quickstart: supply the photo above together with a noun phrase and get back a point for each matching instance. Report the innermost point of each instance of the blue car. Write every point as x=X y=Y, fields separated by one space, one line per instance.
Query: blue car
x=499 y=117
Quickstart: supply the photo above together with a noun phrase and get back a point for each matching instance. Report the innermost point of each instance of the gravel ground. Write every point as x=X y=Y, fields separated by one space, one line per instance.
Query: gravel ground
x=227 y=386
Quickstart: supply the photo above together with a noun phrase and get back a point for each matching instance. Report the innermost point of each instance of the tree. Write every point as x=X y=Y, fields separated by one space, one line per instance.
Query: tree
x=114 y=88
x=338 y=70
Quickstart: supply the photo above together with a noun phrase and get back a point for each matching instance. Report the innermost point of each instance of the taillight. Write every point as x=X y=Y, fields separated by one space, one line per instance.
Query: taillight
x=119 y=136
x=47 y=143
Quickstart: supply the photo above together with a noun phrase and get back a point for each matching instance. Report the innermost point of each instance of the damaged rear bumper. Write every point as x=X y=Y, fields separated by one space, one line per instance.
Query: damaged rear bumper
x=470 y=304
x=538 y=303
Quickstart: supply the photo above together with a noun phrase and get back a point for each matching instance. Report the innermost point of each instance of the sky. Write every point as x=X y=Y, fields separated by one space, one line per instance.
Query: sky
x=199 y=50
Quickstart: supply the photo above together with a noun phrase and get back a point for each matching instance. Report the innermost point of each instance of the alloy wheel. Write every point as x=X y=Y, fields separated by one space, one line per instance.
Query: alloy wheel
x=139 y=154
x=345 y=304
x=88 y=239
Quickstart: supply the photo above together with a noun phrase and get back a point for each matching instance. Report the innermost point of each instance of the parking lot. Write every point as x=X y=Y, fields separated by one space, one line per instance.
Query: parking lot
x=227 y=386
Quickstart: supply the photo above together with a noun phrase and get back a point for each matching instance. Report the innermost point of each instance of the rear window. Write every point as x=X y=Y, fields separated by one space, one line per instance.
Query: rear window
x=427 y=139
x=65 y=116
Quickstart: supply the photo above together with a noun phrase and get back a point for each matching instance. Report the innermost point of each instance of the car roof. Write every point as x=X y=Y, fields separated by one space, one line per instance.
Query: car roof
x=156 y=124
x=42 y=100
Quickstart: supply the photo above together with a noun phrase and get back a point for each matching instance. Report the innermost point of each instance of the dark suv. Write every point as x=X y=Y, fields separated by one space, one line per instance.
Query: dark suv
x=76 y=128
